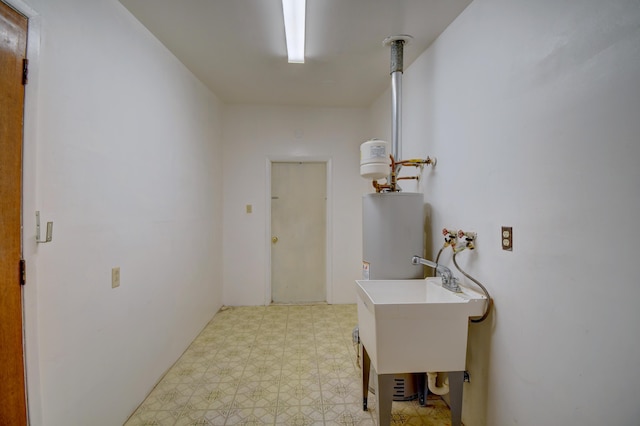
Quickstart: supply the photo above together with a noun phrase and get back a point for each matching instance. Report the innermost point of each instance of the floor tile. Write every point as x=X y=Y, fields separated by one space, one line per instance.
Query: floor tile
x=347 y=415
x=300 y=415
x=212 y=396
x=154 y=418
x=253 y=416
x=275 y=365
x=258 y=394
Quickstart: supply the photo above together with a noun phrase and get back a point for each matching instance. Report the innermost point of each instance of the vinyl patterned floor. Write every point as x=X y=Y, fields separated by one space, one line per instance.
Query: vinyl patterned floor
x=275 y=365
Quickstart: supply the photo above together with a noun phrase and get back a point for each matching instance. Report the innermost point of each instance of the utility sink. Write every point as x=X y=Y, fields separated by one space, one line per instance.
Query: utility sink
x=410 y=326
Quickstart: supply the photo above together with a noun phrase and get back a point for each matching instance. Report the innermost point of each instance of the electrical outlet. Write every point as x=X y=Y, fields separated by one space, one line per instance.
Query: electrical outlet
x=249 y=208
x=507 y=238
x=115 y=277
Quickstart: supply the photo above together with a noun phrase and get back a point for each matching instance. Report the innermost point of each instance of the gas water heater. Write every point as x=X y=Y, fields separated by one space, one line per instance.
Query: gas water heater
x=393 y=230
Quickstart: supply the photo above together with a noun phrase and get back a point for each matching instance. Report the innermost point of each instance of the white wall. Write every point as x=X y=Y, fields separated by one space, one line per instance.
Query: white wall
x=532 y=111
x=123 y=156
x=254 y=134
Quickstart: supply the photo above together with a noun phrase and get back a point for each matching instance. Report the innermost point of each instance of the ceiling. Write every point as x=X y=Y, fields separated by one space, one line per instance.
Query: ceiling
x=237 y=47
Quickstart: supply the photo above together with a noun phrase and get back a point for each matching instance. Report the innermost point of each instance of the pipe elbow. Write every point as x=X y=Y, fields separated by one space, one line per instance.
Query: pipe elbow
x=434 y=388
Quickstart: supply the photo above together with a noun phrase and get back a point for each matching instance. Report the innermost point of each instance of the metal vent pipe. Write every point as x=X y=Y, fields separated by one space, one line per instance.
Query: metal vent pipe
x=397 y=44
x=396 y=98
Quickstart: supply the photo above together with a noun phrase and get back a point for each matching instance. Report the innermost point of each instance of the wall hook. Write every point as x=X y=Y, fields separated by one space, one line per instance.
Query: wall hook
x=49 y=235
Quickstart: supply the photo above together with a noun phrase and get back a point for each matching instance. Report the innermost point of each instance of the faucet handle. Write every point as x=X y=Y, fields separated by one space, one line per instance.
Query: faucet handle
x=452 y=284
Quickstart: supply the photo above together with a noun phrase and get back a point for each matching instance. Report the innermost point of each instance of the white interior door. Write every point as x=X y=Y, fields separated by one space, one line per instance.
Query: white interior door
x=298 y=232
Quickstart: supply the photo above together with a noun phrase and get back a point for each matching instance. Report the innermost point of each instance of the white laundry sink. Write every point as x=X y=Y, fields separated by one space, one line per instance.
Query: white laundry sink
x=410 y=326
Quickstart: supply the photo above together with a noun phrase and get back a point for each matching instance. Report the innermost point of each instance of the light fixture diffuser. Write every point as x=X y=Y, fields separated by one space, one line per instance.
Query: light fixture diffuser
x=294 y=12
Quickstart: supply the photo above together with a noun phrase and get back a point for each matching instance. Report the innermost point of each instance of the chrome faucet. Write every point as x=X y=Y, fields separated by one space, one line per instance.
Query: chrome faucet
x=448 y=280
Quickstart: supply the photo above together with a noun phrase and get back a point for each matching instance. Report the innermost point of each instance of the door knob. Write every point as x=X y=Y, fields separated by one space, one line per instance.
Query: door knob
x=274 y=240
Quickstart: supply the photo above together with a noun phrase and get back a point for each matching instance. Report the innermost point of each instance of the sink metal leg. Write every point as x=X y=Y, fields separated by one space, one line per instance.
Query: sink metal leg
x=366 y=368
x=456 y=381
x=385 y=398
x=423 y=390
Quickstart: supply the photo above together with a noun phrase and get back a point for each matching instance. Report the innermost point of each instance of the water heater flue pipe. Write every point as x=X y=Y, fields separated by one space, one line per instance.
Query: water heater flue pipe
x=397 y=68
x=397 y=44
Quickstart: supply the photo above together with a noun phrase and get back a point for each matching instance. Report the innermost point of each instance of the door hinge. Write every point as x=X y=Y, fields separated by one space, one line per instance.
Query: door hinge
x=23 y=272
x=25 y=71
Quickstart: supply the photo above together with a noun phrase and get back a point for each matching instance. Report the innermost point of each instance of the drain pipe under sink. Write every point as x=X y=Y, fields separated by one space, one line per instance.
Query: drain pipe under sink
x=438 y=390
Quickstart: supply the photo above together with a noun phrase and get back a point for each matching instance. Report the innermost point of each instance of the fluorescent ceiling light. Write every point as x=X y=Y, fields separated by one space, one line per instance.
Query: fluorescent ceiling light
x=294 y=12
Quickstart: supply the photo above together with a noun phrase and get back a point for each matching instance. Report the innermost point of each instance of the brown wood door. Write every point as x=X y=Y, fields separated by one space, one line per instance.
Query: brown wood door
x=13 y=44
